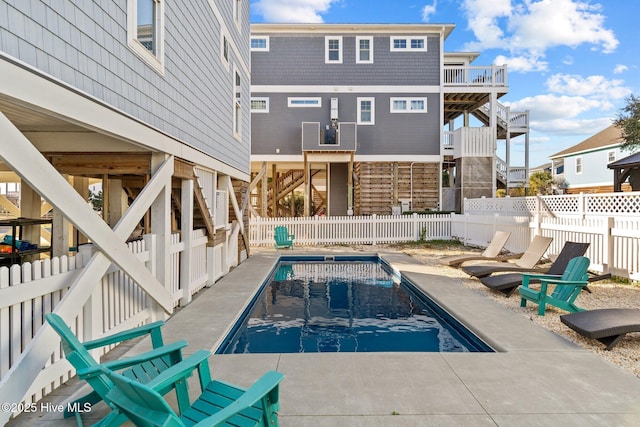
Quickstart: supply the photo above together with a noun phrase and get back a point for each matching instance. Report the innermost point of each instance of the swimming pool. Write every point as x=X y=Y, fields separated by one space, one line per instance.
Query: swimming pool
x=344 y=304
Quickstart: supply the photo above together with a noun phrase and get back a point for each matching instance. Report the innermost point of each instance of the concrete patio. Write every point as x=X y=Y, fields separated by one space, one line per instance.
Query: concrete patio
x=536 y=378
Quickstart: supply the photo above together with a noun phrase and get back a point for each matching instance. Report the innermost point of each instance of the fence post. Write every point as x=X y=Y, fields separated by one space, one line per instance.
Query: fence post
x=466 y=226
x=483 y=205
x=607 y=251
x=537 y=224
x=416 y=227
x=92 y=311
x=374 y=226
x=495 y=224
x=581 y=203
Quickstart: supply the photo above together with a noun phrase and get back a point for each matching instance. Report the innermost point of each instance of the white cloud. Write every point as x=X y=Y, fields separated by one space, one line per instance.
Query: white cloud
x=292 y=11
x=530 y=27
x=522 y=63
x=553 y=107
x=620 y=68
x=428 y=10
x=571 y=127
x=594 y=86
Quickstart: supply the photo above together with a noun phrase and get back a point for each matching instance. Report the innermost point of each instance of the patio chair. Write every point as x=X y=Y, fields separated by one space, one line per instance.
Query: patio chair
x=607 y=325
x=143 y=367
x=220 y=403
x=508 y=283
x=282 y=237
x=567 y=287
x=527 y=262
x=492 y=252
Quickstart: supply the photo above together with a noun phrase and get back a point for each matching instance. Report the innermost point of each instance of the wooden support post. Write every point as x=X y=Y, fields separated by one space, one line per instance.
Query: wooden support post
x=161 y=228
x=395 y=183
x=274 y=188
x=81 y=185
x=264 y=191
x=186 y=226
x=307 y=186
x=349 y=185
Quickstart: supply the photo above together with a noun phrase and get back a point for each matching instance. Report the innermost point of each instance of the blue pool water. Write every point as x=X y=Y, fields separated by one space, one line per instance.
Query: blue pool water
x=350 y=304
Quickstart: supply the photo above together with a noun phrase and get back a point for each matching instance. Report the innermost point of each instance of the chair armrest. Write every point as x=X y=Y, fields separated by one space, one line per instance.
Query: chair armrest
x=151 y=328
x=526 y=277
x=566 y=282
x=265 y=385
x=125 y=362
x=182 y=370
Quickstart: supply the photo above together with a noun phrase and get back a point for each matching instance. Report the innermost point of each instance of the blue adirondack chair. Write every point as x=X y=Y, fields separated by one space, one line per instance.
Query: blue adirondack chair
x=567 y=287
x=219 y=404
x=143 y=367
x=282 y=237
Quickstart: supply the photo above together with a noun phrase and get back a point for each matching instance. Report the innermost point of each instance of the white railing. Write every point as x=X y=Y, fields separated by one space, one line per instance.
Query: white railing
x=599 y=204
x=470 y=141
x=475 y=75
x=372 y=229
x=30 y=290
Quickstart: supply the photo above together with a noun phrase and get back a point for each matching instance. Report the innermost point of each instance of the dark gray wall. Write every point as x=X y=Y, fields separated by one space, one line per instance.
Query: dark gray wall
x=300 y=59
x=338 y=189
x=84 y=44
x=394 y=134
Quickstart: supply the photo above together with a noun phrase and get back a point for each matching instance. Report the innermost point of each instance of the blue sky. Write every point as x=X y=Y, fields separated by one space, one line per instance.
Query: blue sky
x=571 y=63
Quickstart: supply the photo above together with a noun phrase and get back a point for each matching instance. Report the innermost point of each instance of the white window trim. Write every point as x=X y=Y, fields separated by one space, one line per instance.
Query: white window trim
x=408 y=40
x=317 y=101
x=326 y=49
x=237 y=13
x=408 y=100
x=579 y=165
x=373 y=111
x=225 y=61
x=260 y=49
x=611 y=154
x=370 y=60
x=260 y=98
x=156 y=61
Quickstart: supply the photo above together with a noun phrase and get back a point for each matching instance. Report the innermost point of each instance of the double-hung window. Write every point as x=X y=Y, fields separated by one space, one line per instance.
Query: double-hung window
x=611 y=156
x=364 y=50
x=578 y=165
x=366 y=111
x=333 y=50
x=408 y=105
x=145 y=31
x=237 y=116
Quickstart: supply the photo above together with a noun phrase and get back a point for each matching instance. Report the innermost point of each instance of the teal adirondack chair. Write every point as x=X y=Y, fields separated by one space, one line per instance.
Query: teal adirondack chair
x=567 y=287
x=143 y=367
x=282 y=237
x=220 y=403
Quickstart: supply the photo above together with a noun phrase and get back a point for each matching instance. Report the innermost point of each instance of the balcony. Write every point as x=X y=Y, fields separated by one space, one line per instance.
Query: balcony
x=459 y=75
x=342 y=138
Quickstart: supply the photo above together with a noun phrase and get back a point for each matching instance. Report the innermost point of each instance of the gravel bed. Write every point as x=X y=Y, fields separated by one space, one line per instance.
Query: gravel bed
x=604 y=294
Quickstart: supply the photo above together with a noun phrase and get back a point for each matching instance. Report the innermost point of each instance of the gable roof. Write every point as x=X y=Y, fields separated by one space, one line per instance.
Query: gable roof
x=610 y=136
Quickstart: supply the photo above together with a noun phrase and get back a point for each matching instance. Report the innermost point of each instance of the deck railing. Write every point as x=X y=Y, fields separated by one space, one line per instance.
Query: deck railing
x=493 y=75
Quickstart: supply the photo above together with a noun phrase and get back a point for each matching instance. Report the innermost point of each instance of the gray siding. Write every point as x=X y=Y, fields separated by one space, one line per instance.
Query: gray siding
x=393 y=134
x=306 y=55
x=338 y=189
x=84 y=44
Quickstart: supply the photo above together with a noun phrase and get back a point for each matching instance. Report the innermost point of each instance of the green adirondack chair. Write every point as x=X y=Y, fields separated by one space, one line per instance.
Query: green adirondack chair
x=282 y=237
x=143 y=367
x=567 y=287
x=219 y=404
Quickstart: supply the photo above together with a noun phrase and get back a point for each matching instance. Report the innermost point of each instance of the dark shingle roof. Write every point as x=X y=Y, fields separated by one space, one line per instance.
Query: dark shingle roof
x=609 y=136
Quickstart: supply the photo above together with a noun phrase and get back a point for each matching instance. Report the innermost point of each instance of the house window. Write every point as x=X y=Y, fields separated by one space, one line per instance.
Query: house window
x=260 y=44
x=611 y=156
x=225 y=48
x=333 y=50
x=366 y=111
x=259 y=105
x=364 y=47
x=237 y=11
x=578 y=165
x=408 y=105
x=407 y=44
x=145 y=30
x=236 y=108
x=304 y=102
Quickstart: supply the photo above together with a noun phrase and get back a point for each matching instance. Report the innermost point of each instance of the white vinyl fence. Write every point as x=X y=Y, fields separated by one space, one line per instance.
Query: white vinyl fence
x=31 y=290
x=374 y=229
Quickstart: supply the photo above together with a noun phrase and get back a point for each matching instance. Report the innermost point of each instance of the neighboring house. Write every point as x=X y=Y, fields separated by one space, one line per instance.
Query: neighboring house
x=150 y=97
x=360 y=119
x=582 y=168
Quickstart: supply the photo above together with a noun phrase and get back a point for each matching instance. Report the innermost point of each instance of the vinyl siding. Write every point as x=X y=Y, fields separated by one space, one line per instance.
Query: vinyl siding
x=84 y=44
x=594 y=168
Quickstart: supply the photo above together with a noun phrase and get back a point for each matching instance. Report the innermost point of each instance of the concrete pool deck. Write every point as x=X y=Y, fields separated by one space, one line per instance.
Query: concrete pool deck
x=536 y=378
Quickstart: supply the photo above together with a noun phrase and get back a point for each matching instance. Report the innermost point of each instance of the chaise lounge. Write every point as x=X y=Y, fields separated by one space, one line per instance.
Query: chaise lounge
x=607 y=325
x=493 y=252
x=526 y=262
x=508 y=283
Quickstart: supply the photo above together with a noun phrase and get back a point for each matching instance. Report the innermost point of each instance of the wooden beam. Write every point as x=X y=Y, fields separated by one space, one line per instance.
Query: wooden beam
x=264 y=191
x=182 y=169
x=95 y=164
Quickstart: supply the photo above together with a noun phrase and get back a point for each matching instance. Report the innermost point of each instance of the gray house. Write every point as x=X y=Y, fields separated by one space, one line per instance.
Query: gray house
x=373 y=119
x=149 y=99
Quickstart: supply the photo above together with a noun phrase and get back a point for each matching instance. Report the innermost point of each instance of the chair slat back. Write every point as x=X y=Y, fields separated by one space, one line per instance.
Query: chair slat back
x=576 y=271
